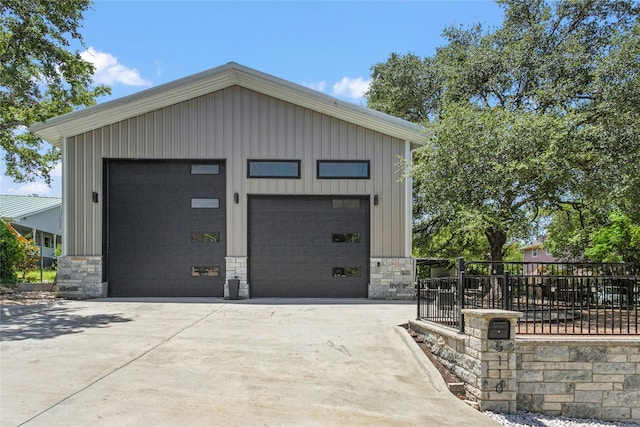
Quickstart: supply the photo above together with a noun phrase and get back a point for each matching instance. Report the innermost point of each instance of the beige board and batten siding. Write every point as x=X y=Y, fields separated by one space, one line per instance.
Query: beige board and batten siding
x=236 y=124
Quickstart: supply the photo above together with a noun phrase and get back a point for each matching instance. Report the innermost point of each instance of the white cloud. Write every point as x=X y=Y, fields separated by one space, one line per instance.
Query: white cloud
x=351 y=88
x=109 y=71
x=24 y=189
x=57 y=171
x=39 y=187
x=319 y=86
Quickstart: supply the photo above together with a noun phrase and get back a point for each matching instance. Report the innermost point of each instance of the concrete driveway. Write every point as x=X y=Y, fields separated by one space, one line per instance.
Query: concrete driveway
x=210 y=362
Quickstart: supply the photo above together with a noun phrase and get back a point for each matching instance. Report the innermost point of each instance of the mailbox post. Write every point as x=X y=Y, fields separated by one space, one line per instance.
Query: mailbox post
x=492 y=344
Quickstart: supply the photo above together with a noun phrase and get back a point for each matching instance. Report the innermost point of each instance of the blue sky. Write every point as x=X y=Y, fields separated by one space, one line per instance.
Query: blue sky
x=326 y=45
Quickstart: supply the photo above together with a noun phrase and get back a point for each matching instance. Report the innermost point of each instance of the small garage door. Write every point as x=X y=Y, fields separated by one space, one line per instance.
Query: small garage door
x=165 y=227
x=309 y=246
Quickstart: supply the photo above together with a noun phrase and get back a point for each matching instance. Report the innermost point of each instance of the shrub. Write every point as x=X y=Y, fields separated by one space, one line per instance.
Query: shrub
x=10 y=253
x=30 y=257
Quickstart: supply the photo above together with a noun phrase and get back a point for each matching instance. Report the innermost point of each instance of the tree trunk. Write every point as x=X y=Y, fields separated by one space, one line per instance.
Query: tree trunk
x=497 y=239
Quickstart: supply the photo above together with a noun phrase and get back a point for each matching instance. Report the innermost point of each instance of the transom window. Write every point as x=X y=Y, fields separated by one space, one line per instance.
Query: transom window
x=343 y=169
x=273 y=169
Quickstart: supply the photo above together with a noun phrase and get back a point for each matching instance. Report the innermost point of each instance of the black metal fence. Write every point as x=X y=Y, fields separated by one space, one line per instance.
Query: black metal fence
x=554 y=297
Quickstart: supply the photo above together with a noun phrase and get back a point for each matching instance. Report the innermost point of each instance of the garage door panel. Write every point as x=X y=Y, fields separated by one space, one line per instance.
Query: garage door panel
x=292 y=253
x=150 y=251
x=336 y=259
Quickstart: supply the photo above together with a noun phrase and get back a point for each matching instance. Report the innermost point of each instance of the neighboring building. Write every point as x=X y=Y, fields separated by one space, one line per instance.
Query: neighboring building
x=234 y=174
x=535 y=253
x=39 y=218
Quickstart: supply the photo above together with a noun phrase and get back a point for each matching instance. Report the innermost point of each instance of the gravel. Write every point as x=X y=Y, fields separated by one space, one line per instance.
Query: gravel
x=541 y=420
x=11 y=297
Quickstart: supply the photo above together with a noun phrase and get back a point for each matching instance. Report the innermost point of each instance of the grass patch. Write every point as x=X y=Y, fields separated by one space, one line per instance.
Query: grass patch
x=34 y=276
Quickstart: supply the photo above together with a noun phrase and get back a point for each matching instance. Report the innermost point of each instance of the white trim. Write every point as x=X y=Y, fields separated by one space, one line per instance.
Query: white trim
x=65 y=198
x=56 y=129
x=408 y=188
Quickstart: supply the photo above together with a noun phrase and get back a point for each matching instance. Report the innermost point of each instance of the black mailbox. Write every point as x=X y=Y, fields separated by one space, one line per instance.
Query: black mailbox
x=499 y=329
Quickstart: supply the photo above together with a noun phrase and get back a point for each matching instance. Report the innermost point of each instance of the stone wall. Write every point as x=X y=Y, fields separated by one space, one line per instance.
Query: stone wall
x=450 y=347
x=578 y=377
x=237 y=269
x=487 y=367
x=391 y=278
x=494 y=359
x=80 y=277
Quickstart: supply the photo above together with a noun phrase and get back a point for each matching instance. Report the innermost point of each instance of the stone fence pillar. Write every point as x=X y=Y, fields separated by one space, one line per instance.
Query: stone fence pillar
x=492 y=344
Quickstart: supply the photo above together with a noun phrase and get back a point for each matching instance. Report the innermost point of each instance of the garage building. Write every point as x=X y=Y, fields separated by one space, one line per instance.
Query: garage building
x=233 y=174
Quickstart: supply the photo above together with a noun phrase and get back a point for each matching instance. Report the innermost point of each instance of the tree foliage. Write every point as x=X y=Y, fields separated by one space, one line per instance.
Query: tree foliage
x=618 y=241
x=17 y=254
x=10 y=254
x=569 y=232
x=40 y=77
x=30 y=257
x=537 y=115
x=405 y=86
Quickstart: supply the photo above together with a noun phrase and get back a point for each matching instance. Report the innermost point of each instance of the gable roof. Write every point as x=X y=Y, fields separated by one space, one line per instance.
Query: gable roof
x=56 y=129
x=535 y=245
x=15 y=207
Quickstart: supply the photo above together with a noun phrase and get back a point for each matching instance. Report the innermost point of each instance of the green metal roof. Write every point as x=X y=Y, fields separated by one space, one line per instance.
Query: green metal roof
x=15 y=207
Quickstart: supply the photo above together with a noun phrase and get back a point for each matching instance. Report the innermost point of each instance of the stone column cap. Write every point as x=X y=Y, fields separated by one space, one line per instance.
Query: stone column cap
x=492 y=313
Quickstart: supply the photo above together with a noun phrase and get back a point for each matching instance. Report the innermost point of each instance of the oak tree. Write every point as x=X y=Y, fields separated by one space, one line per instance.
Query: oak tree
x=41 y=76
x=533 y=116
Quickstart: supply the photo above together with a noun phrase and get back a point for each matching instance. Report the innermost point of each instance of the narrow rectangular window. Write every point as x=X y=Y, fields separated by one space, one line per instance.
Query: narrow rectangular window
x=205 y=236
x=205 y=169
x=345 y=237
x=343 y=169
x=205 y=203
x=205 y=270
x=343 y=272
x=534 y=253
x=345 y=203
x=273 y=169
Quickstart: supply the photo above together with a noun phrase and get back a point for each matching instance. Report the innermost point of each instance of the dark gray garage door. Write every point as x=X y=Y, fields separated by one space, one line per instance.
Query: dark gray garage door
x=308 y=246
x=165 y=228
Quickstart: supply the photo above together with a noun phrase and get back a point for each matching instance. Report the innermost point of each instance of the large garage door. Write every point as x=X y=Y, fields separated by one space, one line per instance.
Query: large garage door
x=308 y=246
x=165 y=228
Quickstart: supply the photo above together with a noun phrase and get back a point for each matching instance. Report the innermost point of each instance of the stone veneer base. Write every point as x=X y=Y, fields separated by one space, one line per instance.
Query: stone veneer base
x=391 y=278
x=80 y=277
x=237 y=269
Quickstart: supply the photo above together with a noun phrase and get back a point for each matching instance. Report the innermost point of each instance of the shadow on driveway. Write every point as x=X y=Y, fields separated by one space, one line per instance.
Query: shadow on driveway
x=48 y=320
